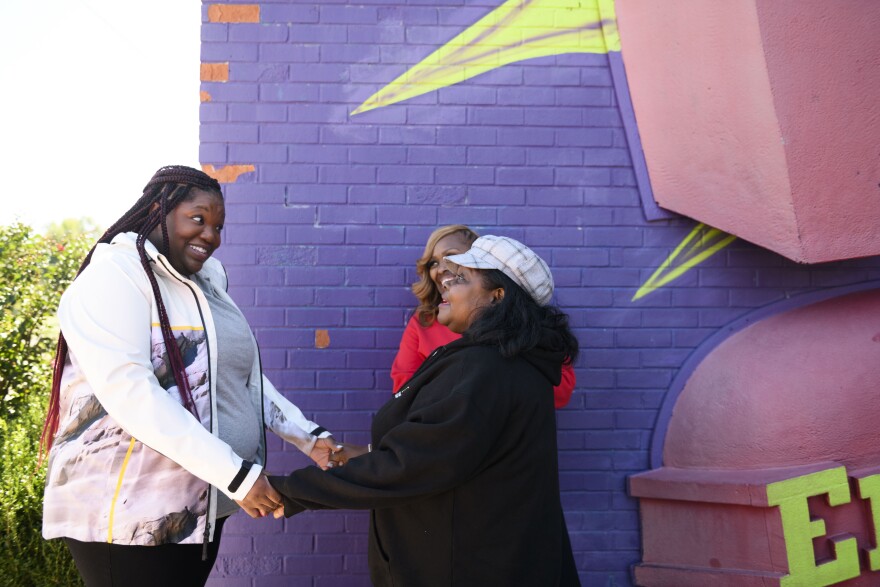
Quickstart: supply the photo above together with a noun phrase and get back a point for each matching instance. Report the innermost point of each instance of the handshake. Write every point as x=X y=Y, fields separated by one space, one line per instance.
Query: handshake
x=263 y=500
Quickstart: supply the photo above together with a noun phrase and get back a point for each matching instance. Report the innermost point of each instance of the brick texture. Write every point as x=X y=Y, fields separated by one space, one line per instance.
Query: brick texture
x=233 y=13
x=227 y=173
x=327 y=213
x=214 y=72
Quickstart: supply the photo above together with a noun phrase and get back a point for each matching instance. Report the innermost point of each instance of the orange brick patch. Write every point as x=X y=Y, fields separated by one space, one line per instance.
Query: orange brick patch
x=234 y=13
x=214 y=72
x=204 y=96
x=322 y=339
x=227 y=173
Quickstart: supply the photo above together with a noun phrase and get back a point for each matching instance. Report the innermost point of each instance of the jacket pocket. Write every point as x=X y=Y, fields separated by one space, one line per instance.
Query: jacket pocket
x=380 y=564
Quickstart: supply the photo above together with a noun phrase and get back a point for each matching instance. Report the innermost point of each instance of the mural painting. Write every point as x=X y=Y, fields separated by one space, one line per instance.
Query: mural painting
x=680 y=220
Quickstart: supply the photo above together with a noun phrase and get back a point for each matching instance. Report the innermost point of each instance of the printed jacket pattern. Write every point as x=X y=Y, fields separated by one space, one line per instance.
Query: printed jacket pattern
x=129 y=464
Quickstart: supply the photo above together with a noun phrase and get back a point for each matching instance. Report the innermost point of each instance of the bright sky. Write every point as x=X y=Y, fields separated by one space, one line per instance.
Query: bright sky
x=95 y=95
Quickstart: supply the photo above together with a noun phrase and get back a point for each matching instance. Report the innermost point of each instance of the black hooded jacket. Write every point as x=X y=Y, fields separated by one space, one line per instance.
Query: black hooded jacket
x=463 y=477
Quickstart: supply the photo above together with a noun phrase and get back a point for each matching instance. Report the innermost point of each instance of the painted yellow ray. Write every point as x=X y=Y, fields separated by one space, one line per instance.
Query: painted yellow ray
x=702 y=242
x=516 y=30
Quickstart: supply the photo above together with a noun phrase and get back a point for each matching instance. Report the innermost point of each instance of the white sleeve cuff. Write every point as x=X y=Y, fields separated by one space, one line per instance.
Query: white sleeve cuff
x=246 y=484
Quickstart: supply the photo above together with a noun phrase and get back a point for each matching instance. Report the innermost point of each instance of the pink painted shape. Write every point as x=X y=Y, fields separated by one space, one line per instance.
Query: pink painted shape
x=697 y=532
x=823 y=59
x=721 y=485
x=760 y=118
x=797 y=388
x=787 y=396
x=721 y=539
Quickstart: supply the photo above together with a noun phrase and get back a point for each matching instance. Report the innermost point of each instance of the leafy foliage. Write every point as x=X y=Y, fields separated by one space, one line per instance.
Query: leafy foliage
x=73 y=229
x=28 y=560
x=34 y=271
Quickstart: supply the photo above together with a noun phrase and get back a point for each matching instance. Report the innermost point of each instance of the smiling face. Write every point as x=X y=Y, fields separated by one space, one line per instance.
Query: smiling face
x=193 y=231
x=464 y=297
x=451 y=244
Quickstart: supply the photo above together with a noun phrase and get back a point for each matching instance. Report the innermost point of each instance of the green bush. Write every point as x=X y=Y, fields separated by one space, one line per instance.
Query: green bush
x=34 y=270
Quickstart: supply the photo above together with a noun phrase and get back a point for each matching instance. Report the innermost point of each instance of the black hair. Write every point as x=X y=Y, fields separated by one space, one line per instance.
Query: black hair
x=516 y=323
x=168 y=187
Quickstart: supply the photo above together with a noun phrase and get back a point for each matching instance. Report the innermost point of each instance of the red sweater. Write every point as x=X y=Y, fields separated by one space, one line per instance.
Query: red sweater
x=418 y=342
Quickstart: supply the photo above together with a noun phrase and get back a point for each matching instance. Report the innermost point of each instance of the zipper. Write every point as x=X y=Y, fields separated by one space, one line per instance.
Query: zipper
x=207 y=533
x=421 y=368
x=264 y=448
x=205 y=537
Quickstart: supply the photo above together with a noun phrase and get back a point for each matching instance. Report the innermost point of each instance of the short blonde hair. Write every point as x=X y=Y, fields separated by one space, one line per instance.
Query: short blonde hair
x=425 y=289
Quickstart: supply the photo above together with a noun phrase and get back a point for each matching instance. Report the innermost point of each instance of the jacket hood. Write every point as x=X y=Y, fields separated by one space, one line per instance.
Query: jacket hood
x=126 y=243
x=546 y=356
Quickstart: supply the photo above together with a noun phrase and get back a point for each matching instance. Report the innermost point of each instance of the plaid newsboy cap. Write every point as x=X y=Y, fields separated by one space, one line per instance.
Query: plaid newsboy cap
x=515 y=260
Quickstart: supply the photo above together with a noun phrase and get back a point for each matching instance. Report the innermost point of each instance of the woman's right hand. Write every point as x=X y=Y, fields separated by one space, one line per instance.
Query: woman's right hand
x=348 y=451
x=262 y=499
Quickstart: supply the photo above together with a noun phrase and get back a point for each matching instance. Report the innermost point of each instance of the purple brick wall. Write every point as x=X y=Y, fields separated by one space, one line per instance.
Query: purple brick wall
x=323 y=235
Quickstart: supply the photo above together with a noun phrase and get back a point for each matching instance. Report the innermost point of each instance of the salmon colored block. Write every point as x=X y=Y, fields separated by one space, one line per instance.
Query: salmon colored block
x=227 y=173
x=214 y=72
x=234 y=13
x=322 y=339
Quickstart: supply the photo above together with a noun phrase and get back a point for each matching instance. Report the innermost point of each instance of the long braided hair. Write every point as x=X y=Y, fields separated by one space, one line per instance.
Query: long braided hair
x=168 y=187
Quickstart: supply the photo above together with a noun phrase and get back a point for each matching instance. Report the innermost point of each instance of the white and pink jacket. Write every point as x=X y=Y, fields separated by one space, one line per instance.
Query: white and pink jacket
x=130 y=465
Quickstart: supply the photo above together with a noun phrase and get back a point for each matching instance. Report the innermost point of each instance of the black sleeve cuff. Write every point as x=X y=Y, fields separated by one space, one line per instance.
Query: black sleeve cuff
x=291 y=508
x=239 y=477
x=318 y=431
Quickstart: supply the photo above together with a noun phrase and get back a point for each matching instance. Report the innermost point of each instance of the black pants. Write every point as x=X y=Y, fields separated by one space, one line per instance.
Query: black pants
x=170 y=565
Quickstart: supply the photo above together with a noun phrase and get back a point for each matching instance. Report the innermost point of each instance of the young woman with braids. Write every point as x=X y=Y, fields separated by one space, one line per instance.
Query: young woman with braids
x=155 y=430
x=423 y=332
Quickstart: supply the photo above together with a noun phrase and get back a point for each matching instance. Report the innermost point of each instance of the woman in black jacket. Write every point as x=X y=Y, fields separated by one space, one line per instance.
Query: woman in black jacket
x=462 y=478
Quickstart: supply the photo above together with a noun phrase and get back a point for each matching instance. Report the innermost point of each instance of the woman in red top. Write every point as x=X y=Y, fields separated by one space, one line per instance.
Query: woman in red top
x=423 y=333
